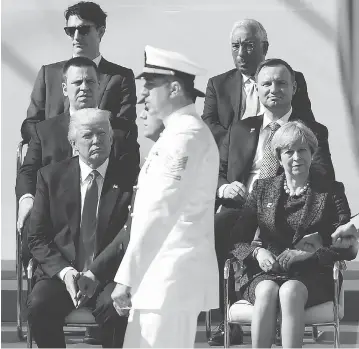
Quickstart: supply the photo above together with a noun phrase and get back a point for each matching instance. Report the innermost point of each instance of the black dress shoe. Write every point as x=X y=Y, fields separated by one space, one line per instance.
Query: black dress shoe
x=235 y=335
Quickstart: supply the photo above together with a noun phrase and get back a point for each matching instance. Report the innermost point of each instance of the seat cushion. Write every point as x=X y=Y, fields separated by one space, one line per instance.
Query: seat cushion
x=242 y=311
x=80 y=316
x=322 y=313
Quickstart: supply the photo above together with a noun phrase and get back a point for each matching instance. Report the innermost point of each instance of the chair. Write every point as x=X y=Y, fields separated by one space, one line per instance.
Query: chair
x=326 y=314
x=77 y=318
x=19 y=265
x=81 y=317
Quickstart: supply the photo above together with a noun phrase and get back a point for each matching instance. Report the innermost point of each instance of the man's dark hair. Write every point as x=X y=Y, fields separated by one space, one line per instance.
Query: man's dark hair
x=273 y=62
x=78 y=62
x=88 y=11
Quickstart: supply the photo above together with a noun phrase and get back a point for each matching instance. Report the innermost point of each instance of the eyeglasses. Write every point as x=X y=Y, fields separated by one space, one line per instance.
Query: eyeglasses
x=82 y=29
x=247 y=46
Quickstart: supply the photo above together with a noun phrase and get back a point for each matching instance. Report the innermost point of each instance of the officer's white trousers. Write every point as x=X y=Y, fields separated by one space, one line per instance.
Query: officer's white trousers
x=161 y=329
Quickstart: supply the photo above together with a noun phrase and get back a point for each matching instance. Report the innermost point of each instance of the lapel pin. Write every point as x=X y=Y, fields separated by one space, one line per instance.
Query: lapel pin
x=269 y=204
x=252 y=129
x=115 y=186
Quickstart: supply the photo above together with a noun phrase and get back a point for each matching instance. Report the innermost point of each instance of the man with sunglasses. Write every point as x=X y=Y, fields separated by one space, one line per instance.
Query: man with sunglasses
x=85 y=26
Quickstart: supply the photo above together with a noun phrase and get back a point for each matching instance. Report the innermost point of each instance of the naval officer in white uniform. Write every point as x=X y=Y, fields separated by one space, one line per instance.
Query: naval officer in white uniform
x=169 y=273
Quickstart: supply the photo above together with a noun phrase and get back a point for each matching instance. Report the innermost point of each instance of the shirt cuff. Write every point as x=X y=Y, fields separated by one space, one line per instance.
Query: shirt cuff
x=221 y=189
x=25 y=196
x=62 y=273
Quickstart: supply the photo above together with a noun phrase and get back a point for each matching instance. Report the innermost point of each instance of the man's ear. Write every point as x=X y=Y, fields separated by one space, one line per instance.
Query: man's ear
x=73 y=145
x=265 y=47
x=64 y=89
x=101 y=32
x=294 y=87
x=175 y=88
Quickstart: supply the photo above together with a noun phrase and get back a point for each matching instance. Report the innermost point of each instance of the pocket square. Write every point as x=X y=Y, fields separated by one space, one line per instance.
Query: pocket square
x=115 y=186
x=252 y=130
x=269 y=204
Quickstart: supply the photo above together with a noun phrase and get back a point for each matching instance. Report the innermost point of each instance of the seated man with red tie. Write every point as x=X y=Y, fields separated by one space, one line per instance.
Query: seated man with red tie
x=80 y=206
x=245 y=153
x=49 y=143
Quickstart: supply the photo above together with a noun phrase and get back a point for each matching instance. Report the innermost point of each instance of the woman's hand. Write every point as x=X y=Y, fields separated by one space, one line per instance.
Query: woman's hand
x=310 y=243
x=288 y=257
x=266 y=259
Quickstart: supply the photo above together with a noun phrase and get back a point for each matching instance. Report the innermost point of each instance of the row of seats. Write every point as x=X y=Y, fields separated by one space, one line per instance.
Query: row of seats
x=329 y=313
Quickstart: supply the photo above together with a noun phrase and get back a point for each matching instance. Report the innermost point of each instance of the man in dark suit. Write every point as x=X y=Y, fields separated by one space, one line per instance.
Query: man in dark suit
x=49 y=143
x=80 y=206
x=245 y=152
x=85 y=25
x=231 y=96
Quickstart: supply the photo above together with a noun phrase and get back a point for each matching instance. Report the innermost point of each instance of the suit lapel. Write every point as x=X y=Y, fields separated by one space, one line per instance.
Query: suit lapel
x=271 y=201
x=104 y=77
x=312 y=207
x=63 y=143
x=243 y=145
x=70 y=195
x=235 y=91
x=110 y=192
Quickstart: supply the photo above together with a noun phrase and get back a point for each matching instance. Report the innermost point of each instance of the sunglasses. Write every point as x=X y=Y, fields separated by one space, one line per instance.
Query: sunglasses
x=82 y=29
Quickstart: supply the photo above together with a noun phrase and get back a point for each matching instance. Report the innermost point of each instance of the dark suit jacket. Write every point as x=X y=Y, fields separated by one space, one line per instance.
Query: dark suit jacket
x=117 y=95
x=239 y=147
x=223 y=102
x=55 y=219
x=325 y=209
x=49 y=144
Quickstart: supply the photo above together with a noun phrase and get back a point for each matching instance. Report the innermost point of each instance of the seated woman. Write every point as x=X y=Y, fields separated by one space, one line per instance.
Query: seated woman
x=275 y=274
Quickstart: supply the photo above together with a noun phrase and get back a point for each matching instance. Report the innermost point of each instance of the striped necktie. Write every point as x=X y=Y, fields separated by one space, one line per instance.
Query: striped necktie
x=270 y=163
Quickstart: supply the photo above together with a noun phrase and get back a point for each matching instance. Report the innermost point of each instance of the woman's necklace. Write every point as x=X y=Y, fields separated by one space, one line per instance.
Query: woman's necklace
x=301 y=191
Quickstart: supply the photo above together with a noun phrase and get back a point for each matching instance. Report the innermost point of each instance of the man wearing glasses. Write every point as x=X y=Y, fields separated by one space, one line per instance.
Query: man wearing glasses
x=232 y=96
x=85 y=26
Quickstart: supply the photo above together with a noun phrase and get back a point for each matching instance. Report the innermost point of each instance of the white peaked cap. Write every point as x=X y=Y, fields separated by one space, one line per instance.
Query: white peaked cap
x=163 y=62
x=159 y=61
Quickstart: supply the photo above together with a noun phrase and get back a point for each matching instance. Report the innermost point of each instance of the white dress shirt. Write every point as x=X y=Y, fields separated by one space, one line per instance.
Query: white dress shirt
x=97 y=59
x=85 y=170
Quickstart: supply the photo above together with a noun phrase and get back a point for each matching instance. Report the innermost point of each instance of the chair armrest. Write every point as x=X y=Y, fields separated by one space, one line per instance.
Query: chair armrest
x=30 y=268
x=20 y=154
x=338 y=267
x=227 y=266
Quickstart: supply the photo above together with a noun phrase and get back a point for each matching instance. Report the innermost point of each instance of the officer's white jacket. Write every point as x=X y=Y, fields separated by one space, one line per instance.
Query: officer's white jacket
x=170 y=262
